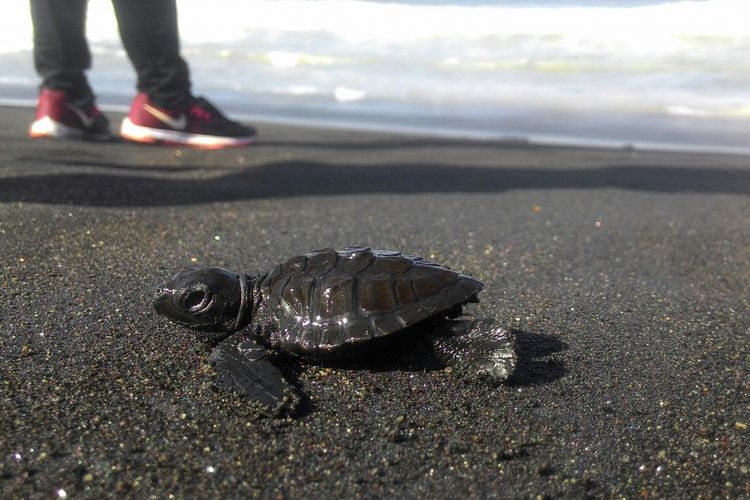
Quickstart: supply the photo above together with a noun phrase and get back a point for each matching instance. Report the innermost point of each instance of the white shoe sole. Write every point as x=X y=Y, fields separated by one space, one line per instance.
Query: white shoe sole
x=132 y=132
x=47 y=127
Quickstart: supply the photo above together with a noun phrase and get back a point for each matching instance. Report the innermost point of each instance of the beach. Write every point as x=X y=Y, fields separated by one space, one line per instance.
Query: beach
x=623 y=273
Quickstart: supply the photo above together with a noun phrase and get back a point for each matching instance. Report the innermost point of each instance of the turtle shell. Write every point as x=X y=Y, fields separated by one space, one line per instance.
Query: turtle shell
x=328 y=303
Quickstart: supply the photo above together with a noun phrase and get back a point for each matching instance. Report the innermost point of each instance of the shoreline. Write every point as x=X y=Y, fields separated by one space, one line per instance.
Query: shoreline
x=677 y=134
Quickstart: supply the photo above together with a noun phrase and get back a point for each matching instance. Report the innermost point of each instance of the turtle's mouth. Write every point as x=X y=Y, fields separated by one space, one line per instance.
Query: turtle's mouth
x=163 y=299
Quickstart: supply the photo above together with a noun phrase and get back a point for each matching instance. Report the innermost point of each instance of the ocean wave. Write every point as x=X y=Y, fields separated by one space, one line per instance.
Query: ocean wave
x=482 y=63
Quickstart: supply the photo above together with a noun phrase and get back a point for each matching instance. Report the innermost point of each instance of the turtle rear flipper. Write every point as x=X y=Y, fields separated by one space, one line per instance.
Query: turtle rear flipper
x=243 y=366
x=479 y=345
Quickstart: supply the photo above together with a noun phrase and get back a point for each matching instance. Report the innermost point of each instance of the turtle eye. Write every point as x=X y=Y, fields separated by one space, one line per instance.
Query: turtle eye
x=196 y=300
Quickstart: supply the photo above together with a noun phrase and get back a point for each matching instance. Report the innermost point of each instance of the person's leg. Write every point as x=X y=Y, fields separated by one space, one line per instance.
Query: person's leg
x=66 y=107
x=150 y=34
x=165 y=111
x=61 y=53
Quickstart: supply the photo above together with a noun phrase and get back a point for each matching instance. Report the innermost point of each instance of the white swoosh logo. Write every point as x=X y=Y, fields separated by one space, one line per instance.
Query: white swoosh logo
x=87 y=120
x=176 y=123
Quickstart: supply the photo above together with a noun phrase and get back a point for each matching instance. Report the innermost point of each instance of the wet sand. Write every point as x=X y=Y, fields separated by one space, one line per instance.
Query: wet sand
x=624 y=274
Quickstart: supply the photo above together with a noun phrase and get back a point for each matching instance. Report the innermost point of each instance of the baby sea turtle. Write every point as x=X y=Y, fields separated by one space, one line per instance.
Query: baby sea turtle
x=329 y=305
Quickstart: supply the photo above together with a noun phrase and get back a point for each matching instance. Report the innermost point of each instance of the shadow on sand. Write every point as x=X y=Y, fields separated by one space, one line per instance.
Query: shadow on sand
x=166 y=185
x=537 y=361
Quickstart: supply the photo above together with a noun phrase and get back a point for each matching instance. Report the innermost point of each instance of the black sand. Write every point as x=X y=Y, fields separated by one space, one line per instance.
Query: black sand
x=626 y=276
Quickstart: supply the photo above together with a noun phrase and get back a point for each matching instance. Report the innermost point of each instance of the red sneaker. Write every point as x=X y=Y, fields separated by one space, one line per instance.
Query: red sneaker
x=199 y=124
x=59 y=117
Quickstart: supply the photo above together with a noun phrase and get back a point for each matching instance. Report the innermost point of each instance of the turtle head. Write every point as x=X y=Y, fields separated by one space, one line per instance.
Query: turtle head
x=208 y=299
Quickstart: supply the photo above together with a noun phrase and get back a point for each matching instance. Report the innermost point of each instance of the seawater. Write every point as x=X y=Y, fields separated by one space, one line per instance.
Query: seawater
x=646 y=73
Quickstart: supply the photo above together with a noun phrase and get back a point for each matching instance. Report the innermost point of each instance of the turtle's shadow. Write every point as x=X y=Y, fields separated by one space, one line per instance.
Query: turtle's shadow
x=415 y=355
x=537 y=359
x=537 y=362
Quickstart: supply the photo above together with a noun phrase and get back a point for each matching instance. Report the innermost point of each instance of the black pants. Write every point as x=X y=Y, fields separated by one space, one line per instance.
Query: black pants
x=149 y=33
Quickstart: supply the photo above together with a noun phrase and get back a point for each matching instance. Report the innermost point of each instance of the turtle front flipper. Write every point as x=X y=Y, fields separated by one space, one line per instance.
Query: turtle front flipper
x=244 y=366
x=479 y=345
